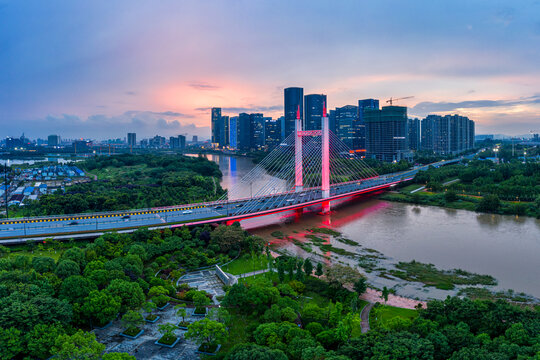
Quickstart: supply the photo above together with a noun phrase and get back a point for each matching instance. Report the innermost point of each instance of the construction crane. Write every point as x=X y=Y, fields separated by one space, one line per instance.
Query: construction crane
x=391 y=100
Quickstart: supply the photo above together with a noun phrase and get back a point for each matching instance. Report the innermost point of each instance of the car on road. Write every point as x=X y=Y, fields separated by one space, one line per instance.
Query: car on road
x=125 y=217
x=239 y=205
x=187 y=212
x=290 y=200
x=73 y=222
x=218 y=207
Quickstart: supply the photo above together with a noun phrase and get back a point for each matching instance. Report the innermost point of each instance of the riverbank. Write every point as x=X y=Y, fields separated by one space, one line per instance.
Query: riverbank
x=362 y=235
x=461 y=202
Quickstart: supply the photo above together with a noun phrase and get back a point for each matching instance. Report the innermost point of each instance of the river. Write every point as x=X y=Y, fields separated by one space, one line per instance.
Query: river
x=506 y=247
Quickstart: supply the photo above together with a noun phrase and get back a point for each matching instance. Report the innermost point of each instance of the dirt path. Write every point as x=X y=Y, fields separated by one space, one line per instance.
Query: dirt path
x=364 y=317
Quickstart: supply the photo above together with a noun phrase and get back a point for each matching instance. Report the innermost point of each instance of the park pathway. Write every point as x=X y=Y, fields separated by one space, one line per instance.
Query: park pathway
x=364 y=317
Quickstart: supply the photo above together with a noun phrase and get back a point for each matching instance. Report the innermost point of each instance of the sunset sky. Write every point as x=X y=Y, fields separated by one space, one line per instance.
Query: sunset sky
x=100 y=69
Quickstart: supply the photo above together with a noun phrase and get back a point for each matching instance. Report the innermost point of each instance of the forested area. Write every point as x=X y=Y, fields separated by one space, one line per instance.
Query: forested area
x=298 y=310
x=480 y=185
x=134 y=181
x=47 y=304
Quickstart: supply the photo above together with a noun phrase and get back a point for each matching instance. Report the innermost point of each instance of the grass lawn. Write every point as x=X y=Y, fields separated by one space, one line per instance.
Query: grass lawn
x=48 y=253
x=251 y=279
x=379 y=316
x=407 y=189
x=246 y=263
x=111 y=172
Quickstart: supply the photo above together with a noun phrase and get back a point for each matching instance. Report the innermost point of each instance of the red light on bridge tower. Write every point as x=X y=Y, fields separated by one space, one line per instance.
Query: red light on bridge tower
x=325 y=171
x=298 y=181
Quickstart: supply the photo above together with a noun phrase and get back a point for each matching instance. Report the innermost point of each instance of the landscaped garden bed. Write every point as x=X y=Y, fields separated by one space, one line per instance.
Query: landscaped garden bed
x=199 y=311
x=167 y=341
x=183 y=325
x=152 y=318
x=132 y=333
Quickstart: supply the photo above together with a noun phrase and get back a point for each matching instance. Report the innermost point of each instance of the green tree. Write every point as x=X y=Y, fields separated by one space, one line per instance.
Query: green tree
x=206 y=331
x=132 y=319
x=41 y=339
x=67 y=268
x=117 y=356
x=308 y=267
x=100 y=307
x=281 y=270
x=167 y=332
x=339 y=275
x=130 y=294
x=450 y=196
x=385 y=292
x=255 y=352
x=11 y=343
x=489 y=203
x=81 y=345
x=319 y=271
x=181 y=311
x=75 y=288
x=43 y=264
x=360 y=286
x=200 y=299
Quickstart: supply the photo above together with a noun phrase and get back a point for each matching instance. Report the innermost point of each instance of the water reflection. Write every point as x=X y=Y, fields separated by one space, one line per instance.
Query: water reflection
x=505 y=247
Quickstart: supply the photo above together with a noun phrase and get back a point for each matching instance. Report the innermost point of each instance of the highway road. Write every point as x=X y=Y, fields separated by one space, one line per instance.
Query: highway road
x=66 y=226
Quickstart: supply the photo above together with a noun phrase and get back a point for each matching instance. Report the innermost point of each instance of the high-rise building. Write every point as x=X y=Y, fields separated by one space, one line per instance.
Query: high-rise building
x=449 y=134
x=257 y=130
x=233 y=132
x=387 y=133
x=332 y=124
x=313 y=107
x=414 y=134
x=281 y=121
x=224 y=131
x=347 y=125
x=195 y=139
x=272 y=132
x=173 y=142
x=216 y=116
x=244 y=132
x=181 y=141
x=132 y=140
x=53 y=140
x=294 y=98
x=361 y=125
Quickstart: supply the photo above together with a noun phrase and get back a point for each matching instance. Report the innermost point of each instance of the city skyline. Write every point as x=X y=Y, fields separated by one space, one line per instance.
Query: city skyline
x=128 y=67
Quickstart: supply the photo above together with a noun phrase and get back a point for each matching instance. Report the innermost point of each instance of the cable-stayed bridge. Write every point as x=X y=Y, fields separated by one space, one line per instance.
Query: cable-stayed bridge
x=308 y=168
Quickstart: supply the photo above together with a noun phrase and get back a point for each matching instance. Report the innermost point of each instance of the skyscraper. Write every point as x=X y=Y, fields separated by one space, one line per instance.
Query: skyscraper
x=181 y=141
x=272 y=132
x=414 y=134
x=244 y=132
x=224 y=131
x=54 y=140
x=347 y=125
x=361 y=125
x=216 y=116
x=294 y=97
x=195 y=139
x=387 y=133
x=233 y=132
x=256 y=130
x=132 y=140
x=313 y=106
